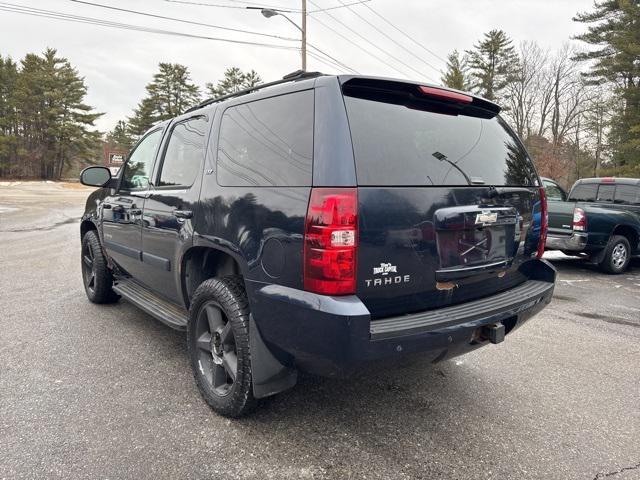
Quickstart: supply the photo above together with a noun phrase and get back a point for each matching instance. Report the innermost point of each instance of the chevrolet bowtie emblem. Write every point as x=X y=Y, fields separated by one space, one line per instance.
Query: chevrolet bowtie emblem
x=486 y=217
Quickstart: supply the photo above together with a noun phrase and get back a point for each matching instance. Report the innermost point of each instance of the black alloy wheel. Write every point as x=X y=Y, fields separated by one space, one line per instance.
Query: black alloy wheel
x=96 y=276
x=218 y=340
x=217 y=356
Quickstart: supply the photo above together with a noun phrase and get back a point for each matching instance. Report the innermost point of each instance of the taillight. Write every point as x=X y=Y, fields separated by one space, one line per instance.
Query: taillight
x=544 y=222
x=579 y=220
x=330 y=241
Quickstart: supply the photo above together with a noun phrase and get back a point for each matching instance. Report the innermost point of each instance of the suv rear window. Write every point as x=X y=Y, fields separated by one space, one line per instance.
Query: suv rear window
x=267 y=142
x=397 y=145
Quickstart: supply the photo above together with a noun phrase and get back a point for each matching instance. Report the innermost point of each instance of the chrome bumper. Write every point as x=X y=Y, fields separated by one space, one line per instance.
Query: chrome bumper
x=575 y=242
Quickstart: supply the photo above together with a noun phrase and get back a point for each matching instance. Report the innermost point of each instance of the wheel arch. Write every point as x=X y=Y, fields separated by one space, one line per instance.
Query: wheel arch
x=85 y=226
x=630 y=233
x=202 y=262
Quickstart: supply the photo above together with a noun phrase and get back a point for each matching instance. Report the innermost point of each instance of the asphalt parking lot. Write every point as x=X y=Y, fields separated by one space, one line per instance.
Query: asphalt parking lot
x=91 y=391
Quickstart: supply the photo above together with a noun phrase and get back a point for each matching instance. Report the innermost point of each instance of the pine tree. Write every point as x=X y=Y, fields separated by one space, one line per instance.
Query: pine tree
x=614 y=30
x=120 y=136
x=8 y=124
x=457 y=75
x=491 y=63
x=144 y=117
x=234 y=80
x=170 y=94
x=54 y=122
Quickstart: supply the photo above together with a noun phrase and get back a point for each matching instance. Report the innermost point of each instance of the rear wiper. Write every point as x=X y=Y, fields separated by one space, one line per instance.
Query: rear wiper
x=443 y=158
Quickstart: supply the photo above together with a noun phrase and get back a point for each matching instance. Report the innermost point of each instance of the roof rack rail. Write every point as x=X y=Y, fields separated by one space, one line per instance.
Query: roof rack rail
x=291 y=77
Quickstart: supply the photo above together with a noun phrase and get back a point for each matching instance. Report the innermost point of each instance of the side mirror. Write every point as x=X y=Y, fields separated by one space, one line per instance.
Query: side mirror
x=95 y=176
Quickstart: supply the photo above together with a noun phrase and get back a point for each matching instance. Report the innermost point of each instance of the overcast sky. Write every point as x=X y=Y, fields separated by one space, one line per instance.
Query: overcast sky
x=117 y=64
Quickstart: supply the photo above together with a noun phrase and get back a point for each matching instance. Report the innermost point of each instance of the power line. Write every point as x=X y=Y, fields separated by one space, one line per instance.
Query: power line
x=256 y=4
x=339 y=63
x=381 y=60
x=335 y=60
x=146 y=14
x=282 y=9
x=352 y=10
x=337 y=66
x=406 y=35
x=37 y=12
x=205 y=4
x=322 y=60
x=422 y=74
x=367 y=51
x=339 y=6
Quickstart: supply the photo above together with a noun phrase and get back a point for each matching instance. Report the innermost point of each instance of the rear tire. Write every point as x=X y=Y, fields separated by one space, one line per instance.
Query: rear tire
x=218 y=339
x=96 y=276
x=617 y=255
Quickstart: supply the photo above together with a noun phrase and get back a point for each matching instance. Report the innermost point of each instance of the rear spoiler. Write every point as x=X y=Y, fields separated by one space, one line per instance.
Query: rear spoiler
x=418 y=96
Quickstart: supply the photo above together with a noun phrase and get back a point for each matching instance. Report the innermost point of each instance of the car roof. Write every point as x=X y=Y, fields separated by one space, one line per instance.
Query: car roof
x=300 y=80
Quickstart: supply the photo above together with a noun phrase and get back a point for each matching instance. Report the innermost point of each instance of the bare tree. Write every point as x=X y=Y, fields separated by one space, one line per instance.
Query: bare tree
x=563 y=94
x=523 y=95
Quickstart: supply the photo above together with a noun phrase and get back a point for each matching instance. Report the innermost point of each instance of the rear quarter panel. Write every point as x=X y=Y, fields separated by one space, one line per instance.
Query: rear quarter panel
x=261 y=227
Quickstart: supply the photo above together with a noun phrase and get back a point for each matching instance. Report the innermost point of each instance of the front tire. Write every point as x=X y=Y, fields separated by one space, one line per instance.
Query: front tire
x=218 y=339
x=96 y=276
x=617 y=255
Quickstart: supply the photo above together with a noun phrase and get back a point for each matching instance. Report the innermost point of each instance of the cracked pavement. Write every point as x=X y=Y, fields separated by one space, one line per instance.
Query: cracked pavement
x=90 y=391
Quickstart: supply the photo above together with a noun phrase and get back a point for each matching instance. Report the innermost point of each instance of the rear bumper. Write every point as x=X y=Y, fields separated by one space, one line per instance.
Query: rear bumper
x=333 y=336
x=576 y=242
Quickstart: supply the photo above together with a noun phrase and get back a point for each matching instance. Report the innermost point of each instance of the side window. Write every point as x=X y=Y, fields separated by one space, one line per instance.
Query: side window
x=553 y=191
x=184 y=153
x=585 y=192
x=267 y=142
x=628 y=194
x=605 y=193
x=138 y=168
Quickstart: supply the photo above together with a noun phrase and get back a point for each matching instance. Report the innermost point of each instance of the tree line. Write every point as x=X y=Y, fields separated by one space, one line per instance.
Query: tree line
x=578 y=112
x=47 y=131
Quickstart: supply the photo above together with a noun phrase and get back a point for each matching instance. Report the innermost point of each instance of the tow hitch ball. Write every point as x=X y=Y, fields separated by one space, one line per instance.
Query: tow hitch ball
x=494 y=332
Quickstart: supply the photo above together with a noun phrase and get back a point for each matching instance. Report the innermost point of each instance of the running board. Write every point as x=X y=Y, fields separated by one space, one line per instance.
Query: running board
x=156 y=306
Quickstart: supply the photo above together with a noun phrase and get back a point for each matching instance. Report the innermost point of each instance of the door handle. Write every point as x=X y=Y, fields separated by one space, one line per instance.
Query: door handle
x=183 y=213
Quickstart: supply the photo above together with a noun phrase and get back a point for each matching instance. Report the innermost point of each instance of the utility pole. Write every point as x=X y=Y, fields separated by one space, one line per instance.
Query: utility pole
x=304 y=35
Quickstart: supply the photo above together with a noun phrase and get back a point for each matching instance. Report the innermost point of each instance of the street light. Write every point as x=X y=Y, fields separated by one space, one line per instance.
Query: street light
x=272 y=12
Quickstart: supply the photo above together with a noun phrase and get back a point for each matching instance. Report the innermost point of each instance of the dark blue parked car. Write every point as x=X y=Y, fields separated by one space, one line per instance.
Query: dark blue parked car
x=319 y=223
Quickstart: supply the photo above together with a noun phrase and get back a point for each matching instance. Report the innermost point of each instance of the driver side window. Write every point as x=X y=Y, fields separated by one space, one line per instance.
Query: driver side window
x=138 y=167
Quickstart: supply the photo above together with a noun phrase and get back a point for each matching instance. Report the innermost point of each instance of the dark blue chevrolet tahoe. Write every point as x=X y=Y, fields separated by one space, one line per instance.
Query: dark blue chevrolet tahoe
x=319 y=223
